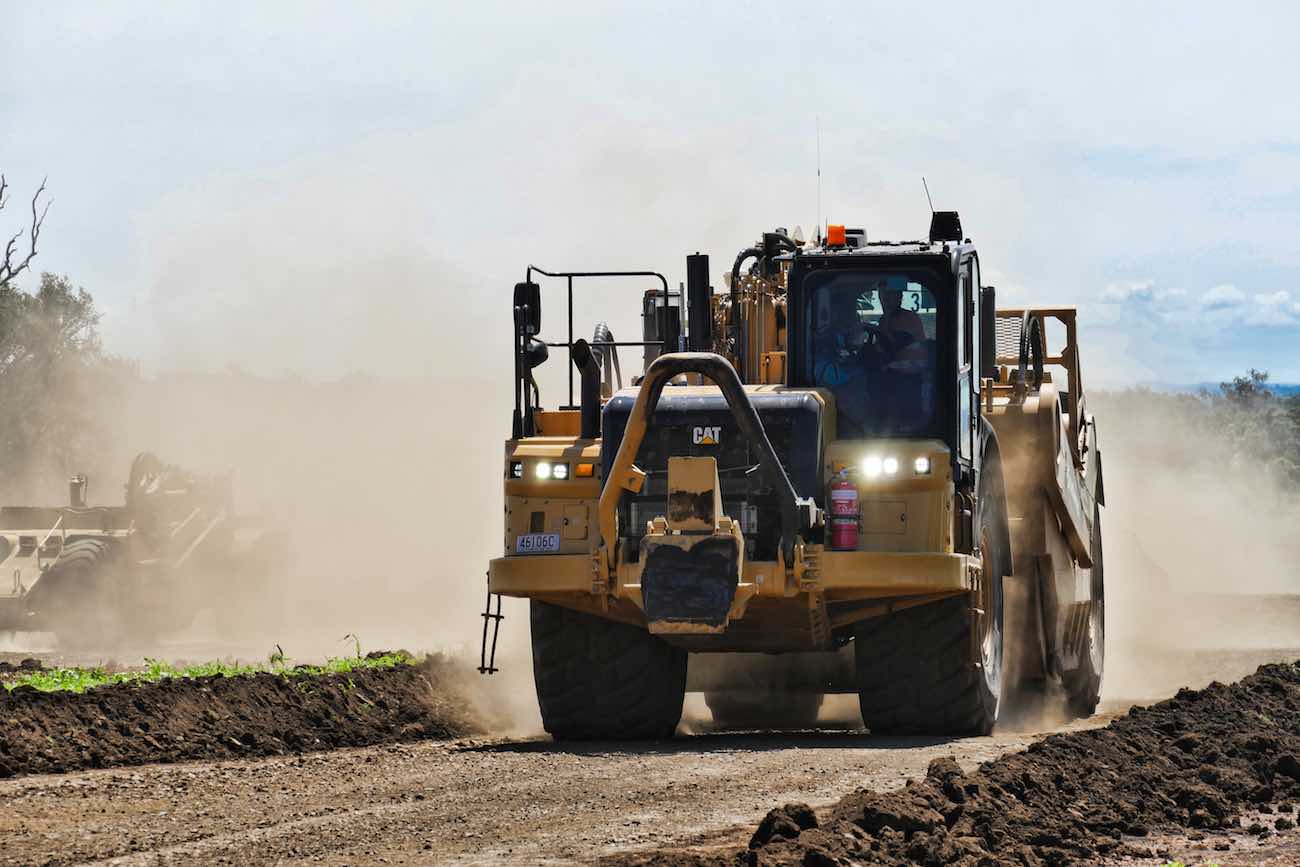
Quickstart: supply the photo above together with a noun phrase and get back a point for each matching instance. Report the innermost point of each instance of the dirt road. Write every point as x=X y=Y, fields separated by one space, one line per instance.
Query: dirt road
x=465 y=802
x=499 y=800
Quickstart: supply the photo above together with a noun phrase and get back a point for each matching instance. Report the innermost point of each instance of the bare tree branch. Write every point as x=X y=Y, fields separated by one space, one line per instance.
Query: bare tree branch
x=15 y=262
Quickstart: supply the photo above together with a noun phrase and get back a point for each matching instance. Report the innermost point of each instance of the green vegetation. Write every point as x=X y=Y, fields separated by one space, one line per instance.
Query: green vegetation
x=59 y=385
x=1243 y=427
x=82 y=679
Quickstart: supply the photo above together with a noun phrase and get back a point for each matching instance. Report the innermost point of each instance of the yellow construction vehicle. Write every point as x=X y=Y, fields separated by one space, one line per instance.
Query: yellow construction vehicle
x=848 y=472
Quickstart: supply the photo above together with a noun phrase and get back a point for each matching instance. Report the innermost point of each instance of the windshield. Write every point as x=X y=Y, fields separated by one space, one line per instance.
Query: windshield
x=871 y=336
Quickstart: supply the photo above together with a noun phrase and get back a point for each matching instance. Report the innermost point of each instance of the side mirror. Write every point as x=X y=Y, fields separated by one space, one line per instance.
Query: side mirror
x=529 y=297
x=988 y=325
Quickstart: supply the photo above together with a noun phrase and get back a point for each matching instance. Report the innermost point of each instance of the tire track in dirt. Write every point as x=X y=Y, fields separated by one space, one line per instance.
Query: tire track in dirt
x=463 y=802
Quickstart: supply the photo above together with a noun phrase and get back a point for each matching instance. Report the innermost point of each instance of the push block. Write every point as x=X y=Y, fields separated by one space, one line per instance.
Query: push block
x=693 y=556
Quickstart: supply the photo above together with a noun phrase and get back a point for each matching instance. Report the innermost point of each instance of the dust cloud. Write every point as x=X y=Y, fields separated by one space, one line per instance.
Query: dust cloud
x=1201 y=556
x=358 y=388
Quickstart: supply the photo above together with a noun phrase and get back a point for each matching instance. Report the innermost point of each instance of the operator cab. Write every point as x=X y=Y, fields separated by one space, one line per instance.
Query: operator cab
x=891 y=330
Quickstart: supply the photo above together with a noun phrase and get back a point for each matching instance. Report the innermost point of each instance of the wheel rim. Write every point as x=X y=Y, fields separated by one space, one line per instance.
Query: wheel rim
x=988 y=625
x=1097 y=607
x=1096 y=633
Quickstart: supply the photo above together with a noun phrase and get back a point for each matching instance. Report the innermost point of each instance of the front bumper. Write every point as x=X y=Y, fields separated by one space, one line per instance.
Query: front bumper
x=840 y=575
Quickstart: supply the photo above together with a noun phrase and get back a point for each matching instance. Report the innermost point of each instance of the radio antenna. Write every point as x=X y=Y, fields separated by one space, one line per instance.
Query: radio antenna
x=927 y=193
x=819 y=179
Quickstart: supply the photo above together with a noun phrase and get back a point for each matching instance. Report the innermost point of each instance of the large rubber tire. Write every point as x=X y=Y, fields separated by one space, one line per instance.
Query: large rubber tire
x=602 y=680
x=920 y=671
x=764 y=710
x=79 y=597
x=1083 y=685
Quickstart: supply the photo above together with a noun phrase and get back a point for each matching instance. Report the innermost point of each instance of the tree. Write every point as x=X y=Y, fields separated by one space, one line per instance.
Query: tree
x=15 y=261
x=1247 y=390
x=56 y=385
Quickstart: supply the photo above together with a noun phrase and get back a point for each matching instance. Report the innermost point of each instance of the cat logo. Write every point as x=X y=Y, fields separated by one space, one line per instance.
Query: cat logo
x=707 y=436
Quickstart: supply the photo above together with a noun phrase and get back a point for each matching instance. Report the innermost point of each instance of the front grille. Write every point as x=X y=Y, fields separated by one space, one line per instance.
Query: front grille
x=694 y=424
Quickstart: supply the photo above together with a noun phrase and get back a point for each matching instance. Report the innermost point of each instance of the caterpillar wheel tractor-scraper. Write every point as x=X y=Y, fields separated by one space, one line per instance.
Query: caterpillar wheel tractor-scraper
x=849 y=472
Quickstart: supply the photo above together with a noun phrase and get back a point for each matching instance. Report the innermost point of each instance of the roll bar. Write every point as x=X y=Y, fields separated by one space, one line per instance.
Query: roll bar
x=797 y=514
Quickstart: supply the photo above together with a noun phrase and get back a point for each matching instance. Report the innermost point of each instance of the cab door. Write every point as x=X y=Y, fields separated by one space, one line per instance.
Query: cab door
x=967 y=352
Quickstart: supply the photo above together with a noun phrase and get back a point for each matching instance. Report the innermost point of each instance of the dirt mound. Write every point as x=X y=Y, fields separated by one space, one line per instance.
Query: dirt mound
x=226 y=717
x=1197 y=760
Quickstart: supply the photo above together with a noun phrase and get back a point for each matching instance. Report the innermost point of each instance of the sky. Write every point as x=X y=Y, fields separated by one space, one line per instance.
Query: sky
x=327 y=189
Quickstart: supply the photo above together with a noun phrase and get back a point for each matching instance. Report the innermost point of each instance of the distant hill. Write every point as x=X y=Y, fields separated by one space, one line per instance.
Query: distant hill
x=1281 y=389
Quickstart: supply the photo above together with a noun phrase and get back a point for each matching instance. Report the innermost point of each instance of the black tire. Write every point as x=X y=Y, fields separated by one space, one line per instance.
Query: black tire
x=919 y=670
x=79 y=597
x=1083 y=685
x=764 y=710
x=602 y=680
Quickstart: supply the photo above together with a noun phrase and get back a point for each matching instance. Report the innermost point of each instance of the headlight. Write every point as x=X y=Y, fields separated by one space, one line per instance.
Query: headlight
x=542 y=470
x=890 y=466
x=516 y=469
x=560 y=471
x=922 y=466
x=871 y=467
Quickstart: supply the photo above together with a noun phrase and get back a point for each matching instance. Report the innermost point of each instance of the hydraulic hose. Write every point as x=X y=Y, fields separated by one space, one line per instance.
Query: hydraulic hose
x=607 y=356
x=747 y=253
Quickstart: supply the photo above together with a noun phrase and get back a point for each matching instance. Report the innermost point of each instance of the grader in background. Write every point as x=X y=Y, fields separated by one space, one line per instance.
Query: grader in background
x=102 y=576
x=848 y=473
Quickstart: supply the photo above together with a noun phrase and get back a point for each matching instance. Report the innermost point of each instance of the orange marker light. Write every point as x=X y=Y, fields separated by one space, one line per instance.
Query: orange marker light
x=835 y=236
x=584 y=471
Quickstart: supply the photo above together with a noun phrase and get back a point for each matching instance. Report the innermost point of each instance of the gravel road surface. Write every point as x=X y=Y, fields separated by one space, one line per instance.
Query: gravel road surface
x=464 y=802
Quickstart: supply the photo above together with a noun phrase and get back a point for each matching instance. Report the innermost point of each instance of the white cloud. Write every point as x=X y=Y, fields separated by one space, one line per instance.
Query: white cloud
x=1133 y=290
x=1225 y=295
x=1274 y=309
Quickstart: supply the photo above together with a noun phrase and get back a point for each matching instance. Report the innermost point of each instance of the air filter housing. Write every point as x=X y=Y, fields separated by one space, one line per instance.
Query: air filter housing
x=945 y=226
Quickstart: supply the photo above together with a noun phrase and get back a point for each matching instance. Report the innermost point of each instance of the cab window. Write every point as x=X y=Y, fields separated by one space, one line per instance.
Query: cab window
x=872 y=339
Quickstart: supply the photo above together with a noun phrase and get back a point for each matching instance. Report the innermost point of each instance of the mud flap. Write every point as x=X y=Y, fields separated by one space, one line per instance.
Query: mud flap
x=691 y=589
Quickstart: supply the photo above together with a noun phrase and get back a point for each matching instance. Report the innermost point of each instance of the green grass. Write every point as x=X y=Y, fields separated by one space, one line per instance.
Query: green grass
x=82 y=679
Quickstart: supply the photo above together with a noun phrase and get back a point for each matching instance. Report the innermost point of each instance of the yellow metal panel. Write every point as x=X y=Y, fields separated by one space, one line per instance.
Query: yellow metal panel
x=533 y=450
x=542 y=573
x=575 y=521
x=694 y=495
x=773 y=368
x=884 y=516
x=850 y=454
x=843 y=573
x=567 y=517
x=558 y=422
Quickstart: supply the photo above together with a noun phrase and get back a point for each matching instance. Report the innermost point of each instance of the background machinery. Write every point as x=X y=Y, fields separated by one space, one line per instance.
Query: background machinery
x=848 y=472
x=100 y=576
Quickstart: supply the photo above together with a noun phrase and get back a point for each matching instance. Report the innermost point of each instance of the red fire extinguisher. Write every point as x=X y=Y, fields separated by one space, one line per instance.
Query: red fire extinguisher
x=844 y=513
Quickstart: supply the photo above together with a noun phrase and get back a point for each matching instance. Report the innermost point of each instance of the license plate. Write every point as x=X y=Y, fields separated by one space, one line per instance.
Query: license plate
x=537 y=543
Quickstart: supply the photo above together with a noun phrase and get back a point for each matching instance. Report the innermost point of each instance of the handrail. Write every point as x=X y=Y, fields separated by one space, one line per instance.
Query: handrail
x=569 y=276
